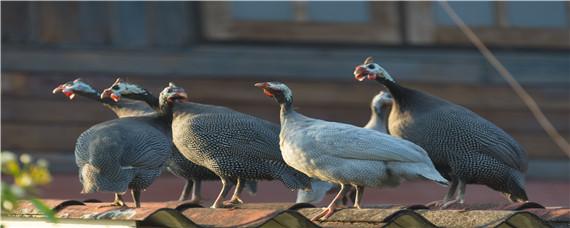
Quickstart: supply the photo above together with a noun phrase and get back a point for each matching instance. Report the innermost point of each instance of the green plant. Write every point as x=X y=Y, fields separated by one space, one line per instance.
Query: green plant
x=25 y=176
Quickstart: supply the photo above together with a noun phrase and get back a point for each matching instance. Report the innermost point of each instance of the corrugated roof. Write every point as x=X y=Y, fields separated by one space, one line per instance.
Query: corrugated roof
x=183 y=214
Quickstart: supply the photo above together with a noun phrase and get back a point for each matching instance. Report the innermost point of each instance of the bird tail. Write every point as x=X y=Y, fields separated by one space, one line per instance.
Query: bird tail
x=516 y=191
x=294 y=179
x=433 y=175
x=318 y=192
x=251 y=186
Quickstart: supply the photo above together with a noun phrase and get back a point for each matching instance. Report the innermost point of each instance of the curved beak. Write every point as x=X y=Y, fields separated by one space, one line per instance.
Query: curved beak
x=262 y=85
x=107 y=93
x=58 y=89
x=265 y=87
x=360 y=73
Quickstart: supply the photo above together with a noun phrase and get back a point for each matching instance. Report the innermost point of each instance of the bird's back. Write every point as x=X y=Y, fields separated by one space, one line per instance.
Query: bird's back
x=453 y=134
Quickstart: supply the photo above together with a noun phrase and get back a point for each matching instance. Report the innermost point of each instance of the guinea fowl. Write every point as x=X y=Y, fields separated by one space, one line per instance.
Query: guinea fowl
x=231 y=144
x=176 y=163
x=121 y=154
x=465 y=148
x=380 y=109
x=345 y=154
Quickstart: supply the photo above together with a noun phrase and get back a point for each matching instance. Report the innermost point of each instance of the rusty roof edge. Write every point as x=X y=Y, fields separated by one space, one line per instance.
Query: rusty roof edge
x=278 y=213
x=519 y=213
x=157 y=219
x=394 y=217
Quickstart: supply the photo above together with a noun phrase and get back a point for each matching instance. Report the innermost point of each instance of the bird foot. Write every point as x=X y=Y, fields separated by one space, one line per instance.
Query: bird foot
x=194 y=201
x=451 y=202
x=234 y=201
x=114 y=204
x=435 y=204
x=326 y=213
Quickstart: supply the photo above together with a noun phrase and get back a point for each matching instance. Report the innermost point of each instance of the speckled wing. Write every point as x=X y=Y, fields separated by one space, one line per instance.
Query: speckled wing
x=351 y=142
x=466 y=132
x=238 y=132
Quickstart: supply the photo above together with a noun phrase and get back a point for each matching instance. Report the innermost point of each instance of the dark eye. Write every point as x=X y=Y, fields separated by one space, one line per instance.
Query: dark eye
x=371 y=66
x=115 y=87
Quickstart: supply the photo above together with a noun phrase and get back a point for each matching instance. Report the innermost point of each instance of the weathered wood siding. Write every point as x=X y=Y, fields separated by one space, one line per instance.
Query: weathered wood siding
x=151 y=43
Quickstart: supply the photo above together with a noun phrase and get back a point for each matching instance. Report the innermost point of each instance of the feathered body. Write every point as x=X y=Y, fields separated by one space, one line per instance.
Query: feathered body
x=345 y=154
x=380 y=107
x=231 y=144
x=176 y=163
x=460 y=143
x=121 y=154
x=464 y=147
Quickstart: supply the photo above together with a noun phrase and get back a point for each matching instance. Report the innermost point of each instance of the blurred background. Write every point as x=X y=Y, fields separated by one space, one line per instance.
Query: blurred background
x=217 y=50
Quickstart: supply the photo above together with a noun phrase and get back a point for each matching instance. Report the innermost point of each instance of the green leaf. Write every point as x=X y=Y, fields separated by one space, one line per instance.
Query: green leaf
x=42 y=207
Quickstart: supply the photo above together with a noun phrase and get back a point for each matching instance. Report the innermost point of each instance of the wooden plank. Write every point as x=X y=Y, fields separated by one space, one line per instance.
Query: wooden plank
x=288 y=63
x=169 y=23
x=128 y=25
x=95 y=24
x=58 y=23
x=553 y=38
x=333 y=93
x=15 y=20
x=24 y=137
x=78 y=111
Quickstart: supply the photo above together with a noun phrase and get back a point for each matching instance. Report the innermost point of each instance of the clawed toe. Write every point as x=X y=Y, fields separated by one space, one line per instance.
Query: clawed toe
x=326 y=213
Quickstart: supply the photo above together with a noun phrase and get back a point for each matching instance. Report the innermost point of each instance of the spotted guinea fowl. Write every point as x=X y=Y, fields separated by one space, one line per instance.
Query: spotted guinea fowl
x=231 y=144
x=176 y=164
x=380 y=109
x=465 y=148
x=121 y=109
x=122 y=154
x=345 y=154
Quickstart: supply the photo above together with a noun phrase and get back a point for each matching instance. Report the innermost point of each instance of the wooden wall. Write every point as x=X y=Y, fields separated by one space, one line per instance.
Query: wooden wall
x=45 y=44
x=35 y=121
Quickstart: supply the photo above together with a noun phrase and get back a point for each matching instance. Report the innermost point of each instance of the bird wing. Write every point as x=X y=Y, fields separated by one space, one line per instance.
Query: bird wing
x=351 y=142
x=489 y=139
x=233 y=131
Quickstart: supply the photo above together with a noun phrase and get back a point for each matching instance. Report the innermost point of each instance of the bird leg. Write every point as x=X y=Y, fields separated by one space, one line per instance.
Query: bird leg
x=359 y=194
x=218 y=202
x=196 y=192
x=117 y=202
x=450 y=193
x=460 y=198
x=327 y=212
x=235 y=197
x=136 y=197
x=186 y=191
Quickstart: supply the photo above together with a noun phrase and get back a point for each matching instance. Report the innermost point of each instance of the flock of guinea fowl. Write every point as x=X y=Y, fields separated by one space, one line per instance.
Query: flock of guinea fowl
x=411 y=135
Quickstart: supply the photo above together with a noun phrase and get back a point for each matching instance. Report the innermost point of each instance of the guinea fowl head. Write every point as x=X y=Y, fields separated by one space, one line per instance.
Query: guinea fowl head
x=381 y=100
x=172 y=93
x=71 y=88
x=277 y=90
x=371 y=71
x=124 y=89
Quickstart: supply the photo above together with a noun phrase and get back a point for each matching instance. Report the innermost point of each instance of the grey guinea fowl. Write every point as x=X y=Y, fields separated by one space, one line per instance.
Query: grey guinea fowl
x=122 y=154
x=176 y=163
x=233 y=145
x=345 y=154
x=110 y=155
x=465 y=148
x=380 y=109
